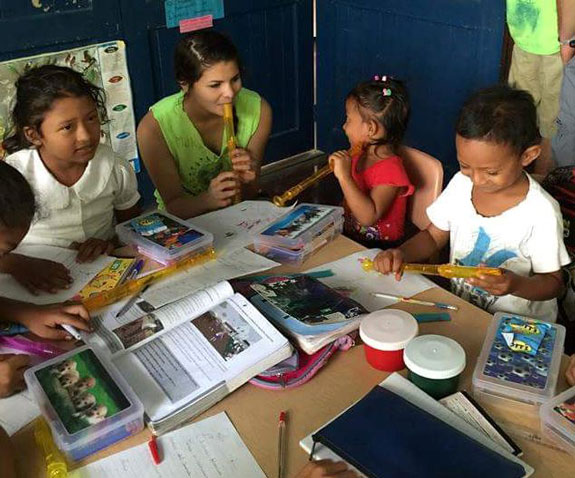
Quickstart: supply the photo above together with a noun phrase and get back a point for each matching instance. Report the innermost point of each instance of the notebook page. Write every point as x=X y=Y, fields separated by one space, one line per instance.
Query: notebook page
x=211 y=448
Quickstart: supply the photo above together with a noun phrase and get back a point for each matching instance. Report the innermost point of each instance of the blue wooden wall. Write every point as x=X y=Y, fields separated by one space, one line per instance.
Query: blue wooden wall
x=443 y=49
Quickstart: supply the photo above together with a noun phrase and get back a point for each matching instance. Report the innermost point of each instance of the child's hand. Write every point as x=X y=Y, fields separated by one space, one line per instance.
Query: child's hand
x=326 y=469
x=12 y=368
x=39 y=275
x=570 y=372
x=390 y=260
x=340 y=162
x=91 y=249
x=44 y=320
x=222 y=189
x=243 y=165
x=506 y=283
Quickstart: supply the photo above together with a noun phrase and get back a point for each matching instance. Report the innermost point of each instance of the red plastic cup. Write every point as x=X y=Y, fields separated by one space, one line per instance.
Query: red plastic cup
x=385 y=334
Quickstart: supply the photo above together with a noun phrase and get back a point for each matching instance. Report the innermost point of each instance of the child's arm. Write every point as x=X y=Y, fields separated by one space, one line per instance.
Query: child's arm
x=326 y=469
x=43 y=320
x=12 y=368
x=127 y=214
x=535 y=287
x=570 y=372
x=417 y=249
x=247 y=162
x=92 y=248
x=164 y=173
x=37 y=275
x=7 y=456
x=566 y=16
x=366 y=208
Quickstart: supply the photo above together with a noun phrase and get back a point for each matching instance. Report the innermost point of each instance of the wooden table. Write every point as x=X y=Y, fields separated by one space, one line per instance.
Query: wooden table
x=345 y=379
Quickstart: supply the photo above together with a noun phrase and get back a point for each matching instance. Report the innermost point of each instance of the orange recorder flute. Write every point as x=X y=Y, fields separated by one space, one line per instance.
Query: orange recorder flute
x=310 y=180
x=230 y=135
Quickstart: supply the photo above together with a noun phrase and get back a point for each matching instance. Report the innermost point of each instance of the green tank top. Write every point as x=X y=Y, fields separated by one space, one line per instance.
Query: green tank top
x=533 y=25
x=197 y=164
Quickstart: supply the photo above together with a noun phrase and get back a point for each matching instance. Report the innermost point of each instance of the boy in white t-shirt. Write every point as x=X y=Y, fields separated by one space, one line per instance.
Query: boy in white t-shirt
x=492 y=213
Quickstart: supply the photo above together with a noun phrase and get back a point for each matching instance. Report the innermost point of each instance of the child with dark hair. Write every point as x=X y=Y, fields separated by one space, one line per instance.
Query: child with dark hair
x=17 y=208
x=81 y=185
x=493 y=213
x=181 y=137
x=374 y=182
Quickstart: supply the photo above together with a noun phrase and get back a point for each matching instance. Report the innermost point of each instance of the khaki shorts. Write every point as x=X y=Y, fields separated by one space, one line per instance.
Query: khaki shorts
x=541 y=76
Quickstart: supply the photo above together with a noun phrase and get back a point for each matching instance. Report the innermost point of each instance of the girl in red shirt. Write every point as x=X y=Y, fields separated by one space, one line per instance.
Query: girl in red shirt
x=374 y=182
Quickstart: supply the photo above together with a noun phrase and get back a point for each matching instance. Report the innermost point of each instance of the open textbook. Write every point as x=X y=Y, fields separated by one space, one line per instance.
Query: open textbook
x=182 y=358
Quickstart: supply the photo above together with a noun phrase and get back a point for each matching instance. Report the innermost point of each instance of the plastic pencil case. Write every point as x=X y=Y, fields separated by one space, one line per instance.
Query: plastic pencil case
x=501 y=372
x=297 y=228
x=86 y=402
x=558 y=419
x=161 y=259
x=163 y=237
x=298 y=255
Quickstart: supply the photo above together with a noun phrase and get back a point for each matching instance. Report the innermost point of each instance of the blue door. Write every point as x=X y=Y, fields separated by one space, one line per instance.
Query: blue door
x=443 y=49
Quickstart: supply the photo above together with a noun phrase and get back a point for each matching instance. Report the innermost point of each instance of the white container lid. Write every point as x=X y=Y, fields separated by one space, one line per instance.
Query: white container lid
x=434 y=357
x=388 y=329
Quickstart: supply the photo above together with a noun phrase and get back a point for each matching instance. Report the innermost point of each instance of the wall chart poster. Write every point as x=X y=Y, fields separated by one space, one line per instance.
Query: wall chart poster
x=104 y=65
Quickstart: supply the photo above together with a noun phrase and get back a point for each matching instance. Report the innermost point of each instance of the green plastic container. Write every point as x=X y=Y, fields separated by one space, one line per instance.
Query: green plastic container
x=435 y=364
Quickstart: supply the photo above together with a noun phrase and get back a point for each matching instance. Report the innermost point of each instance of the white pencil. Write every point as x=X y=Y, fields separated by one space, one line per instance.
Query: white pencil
x=409 y=300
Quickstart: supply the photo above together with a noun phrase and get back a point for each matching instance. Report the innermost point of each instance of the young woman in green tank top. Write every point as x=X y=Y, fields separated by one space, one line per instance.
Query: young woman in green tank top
x=181 y=138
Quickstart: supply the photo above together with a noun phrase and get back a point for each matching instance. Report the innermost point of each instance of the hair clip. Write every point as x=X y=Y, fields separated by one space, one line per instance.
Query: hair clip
x=386 y=92
x=376 y=78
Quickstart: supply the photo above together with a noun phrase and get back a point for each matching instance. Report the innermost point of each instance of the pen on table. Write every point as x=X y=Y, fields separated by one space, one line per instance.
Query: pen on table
x=72 y=331
x=132 y=301
x=281 y=443
x=439 y=305
x=154 y=450
x=135 y=270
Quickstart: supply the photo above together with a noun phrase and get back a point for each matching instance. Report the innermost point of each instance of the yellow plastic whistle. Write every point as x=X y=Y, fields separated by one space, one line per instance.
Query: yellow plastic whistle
x=448 y=271
x=231 y=141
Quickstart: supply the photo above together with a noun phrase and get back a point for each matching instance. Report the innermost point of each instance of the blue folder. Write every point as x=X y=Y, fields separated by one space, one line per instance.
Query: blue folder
x=386 y=436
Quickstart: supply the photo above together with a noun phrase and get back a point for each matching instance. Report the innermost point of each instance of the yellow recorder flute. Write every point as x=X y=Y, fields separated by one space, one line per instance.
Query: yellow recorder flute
x=448 y=271
x=291 y=193
x=132 y=287
x=230 y=135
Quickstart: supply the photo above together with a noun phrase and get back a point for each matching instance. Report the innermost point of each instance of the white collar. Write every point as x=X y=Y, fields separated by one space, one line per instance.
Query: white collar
x=87 y=188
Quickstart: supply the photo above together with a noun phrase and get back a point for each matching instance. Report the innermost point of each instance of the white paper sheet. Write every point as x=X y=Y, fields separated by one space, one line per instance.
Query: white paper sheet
x=17 y=411
x=233 y=227
x=225 y=267
x=358 y=284
x=211 y=448
x=81 y=274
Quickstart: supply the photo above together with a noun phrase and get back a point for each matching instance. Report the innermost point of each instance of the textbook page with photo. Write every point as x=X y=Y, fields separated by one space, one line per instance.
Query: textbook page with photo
x=182 y=358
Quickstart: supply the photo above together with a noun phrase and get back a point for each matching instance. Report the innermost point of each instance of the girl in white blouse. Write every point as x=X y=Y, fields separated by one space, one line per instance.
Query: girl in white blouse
x=82 y=188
